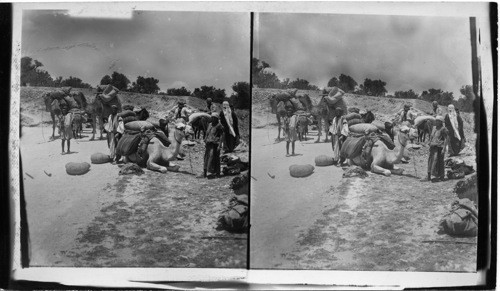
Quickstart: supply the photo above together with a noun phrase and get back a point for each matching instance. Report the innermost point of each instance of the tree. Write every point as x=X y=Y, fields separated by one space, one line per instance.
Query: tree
x=301 y=84
x=145 y=85
x=33 y=75
x=204 y=92
x=374 y=87
x=333 y=82
x=118 y=80
x=178 y=92
x=242 y=98
x=106 y=80
x=466 y=101
x=263 y=78
x=442 y=98
x=347 y=83
x=72 y=82
x=406 y=94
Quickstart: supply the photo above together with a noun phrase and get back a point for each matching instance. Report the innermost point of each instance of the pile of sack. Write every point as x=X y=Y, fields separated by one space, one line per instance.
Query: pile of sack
x=462 y=219
x=234 y=165
x=457 y=168
x=235 y=217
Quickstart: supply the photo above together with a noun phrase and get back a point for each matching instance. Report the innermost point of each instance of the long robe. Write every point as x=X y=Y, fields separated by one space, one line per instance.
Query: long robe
x=230 y=140
x=454 y=141
x=113 y=128
x=211 y=159
x=339 y=130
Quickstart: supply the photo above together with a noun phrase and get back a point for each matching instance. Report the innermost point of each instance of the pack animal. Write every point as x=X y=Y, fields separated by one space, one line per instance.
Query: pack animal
x=159 y=157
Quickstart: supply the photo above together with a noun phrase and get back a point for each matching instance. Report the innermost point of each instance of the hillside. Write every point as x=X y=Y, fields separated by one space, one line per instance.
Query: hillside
x=33 y=108
x=383 y=108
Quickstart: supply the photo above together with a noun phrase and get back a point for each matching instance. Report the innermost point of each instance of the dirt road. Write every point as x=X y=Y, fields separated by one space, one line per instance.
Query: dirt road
x=328 y=222
x=103 y=219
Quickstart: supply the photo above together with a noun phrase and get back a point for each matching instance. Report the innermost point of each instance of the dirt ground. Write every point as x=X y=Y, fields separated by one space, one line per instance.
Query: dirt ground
x=325 y=221
x=102 y=219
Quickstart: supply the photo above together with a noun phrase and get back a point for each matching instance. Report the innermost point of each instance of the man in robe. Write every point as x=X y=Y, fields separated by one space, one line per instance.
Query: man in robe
x=114 y=129
x=213 y=145
x=229 y=121
x=437 y=149
x=455 y=126
x=339 y=130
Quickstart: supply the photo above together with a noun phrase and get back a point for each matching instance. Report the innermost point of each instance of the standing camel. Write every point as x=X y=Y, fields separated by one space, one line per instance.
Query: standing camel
x=54 y=100
x=100 y=110
x=279 y=105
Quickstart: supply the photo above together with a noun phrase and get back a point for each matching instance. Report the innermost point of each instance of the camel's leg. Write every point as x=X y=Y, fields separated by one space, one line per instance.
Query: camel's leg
x=379 y=170
x=101 y=127
x=151 y=165
x=52 y=115
x=320 y=121
x=327 y=127
x=397 y=171
x=173 y=168
x=279 y=127
x=93 y=127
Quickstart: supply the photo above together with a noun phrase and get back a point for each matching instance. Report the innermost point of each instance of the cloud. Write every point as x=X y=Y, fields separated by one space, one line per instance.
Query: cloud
x=196 y=48
x=405 y=51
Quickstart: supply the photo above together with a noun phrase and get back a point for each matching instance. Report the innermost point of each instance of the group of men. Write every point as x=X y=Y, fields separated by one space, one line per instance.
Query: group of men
x=447 y=134
x=222 y=134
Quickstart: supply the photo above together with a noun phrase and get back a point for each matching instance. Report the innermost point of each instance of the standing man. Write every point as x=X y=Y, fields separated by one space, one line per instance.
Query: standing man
x=455 y=126
x=438 y=144
x=406 y=115
x=181 y=111
x=65 y=127
x=213 y=145
x=114 y=129
x=229 y=121
x=339 y=130
x=435 y=109
x=210 y=106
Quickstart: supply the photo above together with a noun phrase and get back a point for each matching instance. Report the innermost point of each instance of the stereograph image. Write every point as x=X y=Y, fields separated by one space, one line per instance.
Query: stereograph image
x=363 y=143
x=135 y=138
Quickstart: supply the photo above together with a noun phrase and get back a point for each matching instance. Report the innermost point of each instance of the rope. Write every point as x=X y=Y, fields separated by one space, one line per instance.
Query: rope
x=43 y=136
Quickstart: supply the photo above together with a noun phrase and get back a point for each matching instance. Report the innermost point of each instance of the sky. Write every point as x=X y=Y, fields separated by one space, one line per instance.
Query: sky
x=407 y=52
x=188 y=49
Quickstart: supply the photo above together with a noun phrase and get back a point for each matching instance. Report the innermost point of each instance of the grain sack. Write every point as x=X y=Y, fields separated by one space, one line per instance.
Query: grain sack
x=422 y=118
x=461 y=220
x=99 y=158
x=297 y=105
x=195 y=116
x=137 y=125
x=353 y=109
x=71 y=102
x=298 y=171
x=129 y=119
x=126 y=113
x=379 y=124
x=128 y=144
x=77 y=168
x=282 y=97
x=362 y=128
x=354 y=121
x=334 y=96
x=352 y=115
x=323 y=161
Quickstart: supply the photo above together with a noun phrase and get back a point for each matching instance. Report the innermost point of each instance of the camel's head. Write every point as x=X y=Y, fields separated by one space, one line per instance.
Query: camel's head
x=183 y=129
x=405 y=135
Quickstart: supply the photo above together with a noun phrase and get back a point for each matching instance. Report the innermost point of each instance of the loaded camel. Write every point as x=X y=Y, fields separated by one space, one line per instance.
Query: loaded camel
x=159 y=157
x=383 y=159
x=100 y=110
x=281 y=102
x=54 y=100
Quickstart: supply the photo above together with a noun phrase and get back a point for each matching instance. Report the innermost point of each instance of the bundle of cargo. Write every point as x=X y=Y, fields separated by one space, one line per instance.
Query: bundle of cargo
x=362 y=128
